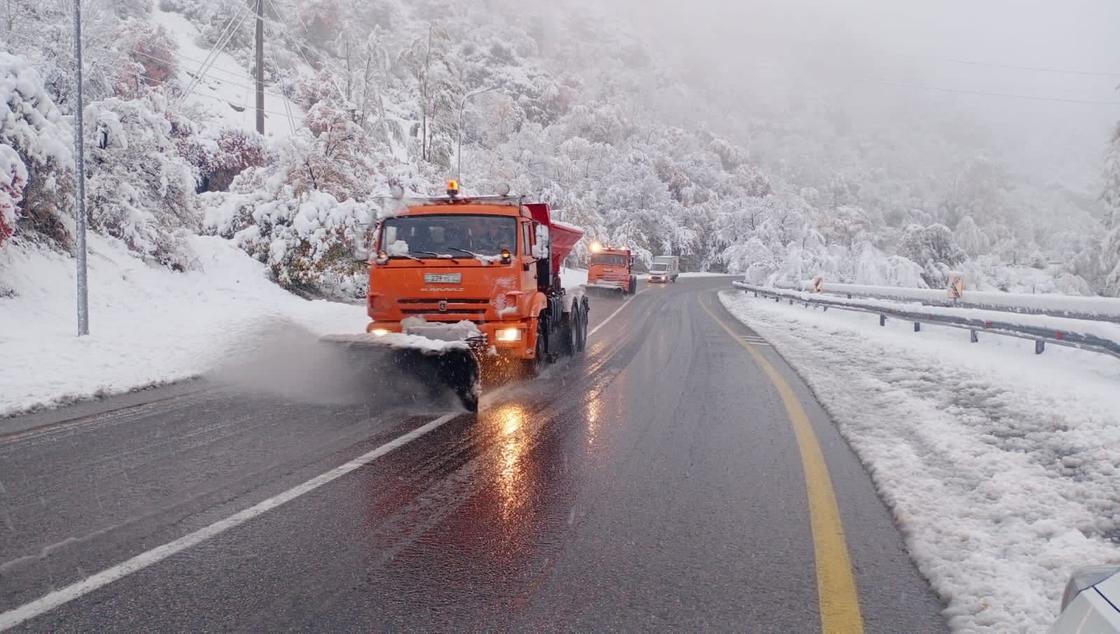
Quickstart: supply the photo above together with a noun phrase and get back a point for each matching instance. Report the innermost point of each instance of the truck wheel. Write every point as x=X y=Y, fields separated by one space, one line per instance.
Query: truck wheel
x=581 y=329
x=570 y=333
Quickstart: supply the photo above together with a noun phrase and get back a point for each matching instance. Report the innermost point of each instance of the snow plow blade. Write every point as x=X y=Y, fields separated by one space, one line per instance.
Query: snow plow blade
x=399 y=362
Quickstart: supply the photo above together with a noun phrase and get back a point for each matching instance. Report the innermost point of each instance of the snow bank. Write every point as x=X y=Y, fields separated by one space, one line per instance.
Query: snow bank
x=149 y=325
x=1000 y=466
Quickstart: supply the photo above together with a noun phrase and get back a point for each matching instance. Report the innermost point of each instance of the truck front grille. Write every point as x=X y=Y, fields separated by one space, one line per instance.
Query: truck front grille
x=436 y=300
x=435 y=312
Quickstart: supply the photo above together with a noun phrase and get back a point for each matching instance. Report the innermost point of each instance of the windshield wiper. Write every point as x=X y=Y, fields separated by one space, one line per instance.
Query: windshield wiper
x=438 y=256
x=404 y=255
x=470 y=253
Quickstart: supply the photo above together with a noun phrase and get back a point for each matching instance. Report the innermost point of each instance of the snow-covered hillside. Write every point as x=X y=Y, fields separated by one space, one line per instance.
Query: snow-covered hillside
x=581 y=111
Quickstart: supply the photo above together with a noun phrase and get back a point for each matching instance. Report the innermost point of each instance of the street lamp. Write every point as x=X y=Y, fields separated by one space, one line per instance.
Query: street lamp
x=462 y=107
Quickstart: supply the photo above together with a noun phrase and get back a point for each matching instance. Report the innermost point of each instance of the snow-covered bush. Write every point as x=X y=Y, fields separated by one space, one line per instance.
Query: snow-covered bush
x=147 y=58
x=139 y=188
x=934 y=250
x=874 y=268
x=35 y=157
x=306 y=241
x=13 y=178
x=219 y=155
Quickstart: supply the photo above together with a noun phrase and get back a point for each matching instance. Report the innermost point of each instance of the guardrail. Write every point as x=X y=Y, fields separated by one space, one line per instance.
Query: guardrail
x=1067 y=306
x=1068 y=333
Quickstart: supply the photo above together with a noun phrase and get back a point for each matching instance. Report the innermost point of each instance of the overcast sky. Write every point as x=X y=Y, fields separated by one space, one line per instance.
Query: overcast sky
x=859 y=48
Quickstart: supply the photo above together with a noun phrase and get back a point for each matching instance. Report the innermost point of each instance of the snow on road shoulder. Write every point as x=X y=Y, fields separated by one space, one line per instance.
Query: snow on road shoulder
x=148 y=325
x=573 y=280
x=1000 y=466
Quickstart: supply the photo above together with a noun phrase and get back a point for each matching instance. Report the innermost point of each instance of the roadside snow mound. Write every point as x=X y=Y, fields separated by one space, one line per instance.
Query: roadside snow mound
x=149 y=325
x=1000 y=466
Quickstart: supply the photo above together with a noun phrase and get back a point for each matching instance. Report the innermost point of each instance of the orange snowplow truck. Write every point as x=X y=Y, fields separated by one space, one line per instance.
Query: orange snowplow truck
x=482 y=272
x=611 y=268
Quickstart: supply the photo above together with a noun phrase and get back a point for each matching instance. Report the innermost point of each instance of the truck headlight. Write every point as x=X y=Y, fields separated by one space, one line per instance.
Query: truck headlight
x=379 y=332
x=508 y=335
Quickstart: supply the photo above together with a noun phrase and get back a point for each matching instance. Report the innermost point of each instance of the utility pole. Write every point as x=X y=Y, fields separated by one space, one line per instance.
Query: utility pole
x=260 y=66
x=80 y=173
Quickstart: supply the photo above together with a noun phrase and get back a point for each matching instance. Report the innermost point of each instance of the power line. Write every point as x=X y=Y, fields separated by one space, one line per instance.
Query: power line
x=233 y=105
x=143 y=75
x=989 y=94
x=219 y=46
x=219 y=80
x=180 y=57
x=1036 y=69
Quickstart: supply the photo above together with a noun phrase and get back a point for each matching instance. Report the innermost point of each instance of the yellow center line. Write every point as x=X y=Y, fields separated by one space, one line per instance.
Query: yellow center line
x=836 y=585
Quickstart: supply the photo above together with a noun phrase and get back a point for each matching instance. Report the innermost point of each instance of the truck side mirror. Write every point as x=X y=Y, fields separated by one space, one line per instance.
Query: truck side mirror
x=541 y=248
x=360 y=247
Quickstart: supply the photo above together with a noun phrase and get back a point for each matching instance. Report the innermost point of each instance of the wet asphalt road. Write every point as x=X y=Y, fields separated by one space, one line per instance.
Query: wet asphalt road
x=654 y=484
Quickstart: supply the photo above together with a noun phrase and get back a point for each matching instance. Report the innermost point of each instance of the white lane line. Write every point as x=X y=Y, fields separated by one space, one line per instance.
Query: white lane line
x=617 y=311
x=62 y=596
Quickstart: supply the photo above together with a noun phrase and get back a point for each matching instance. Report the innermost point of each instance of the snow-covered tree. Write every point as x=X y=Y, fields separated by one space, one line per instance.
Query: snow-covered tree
x=972 y=240
x=148 y=57
x=139 y=188
x=1110 y=247
x=13 y=178
x=35 y=156
x=934 y=250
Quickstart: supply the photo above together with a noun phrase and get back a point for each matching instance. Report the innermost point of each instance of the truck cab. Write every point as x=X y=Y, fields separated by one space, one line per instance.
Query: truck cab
x=665 y=268
x=487 y=268
x=611 y=268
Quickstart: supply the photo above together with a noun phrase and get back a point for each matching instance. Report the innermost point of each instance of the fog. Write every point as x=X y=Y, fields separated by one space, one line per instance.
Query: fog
x=1051 y=69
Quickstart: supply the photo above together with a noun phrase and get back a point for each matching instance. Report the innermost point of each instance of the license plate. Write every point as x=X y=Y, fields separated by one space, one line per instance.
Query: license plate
x=443 y=278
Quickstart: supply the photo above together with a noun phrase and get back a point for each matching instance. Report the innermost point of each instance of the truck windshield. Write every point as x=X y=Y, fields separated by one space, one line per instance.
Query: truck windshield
x=435 y=236
x=658 y=268
x=608 y=259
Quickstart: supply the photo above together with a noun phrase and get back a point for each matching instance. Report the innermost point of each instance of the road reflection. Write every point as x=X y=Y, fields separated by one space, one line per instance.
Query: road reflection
x=591 y=415
x=512 y=444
